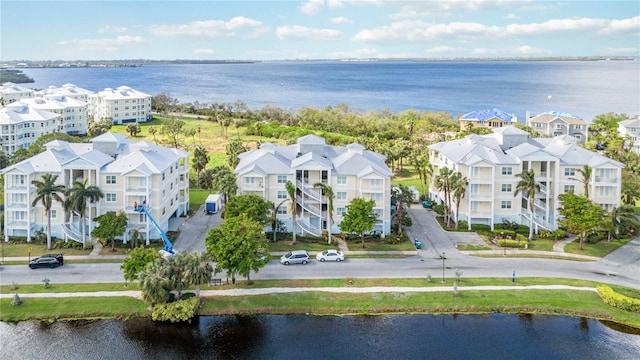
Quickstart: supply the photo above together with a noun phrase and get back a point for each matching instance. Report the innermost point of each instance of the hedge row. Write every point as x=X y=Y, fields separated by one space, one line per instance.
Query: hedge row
x=177 y=311
x=610 y=297
x=512 y=243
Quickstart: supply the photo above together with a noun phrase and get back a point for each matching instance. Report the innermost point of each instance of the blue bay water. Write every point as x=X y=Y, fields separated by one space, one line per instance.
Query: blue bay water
x=583 y=88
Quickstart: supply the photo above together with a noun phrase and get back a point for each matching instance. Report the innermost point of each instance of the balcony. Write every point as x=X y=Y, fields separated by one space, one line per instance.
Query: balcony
x=607 y=180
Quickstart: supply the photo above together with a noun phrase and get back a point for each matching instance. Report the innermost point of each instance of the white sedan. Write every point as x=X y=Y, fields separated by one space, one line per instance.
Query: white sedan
x=330 y=255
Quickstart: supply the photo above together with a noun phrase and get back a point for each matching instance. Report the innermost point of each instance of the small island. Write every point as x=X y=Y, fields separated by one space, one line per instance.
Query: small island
x=14 y=76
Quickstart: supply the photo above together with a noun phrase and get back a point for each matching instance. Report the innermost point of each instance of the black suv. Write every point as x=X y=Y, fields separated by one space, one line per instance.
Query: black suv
x=47 y=260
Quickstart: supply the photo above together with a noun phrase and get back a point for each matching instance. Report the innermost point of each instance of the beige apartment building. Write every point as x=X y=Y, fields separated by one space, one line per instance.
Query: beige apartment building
x=351 y=171
x=122 y=105
x=555 y=123
x=491 y=163
x=631 y=129
x=127 y=171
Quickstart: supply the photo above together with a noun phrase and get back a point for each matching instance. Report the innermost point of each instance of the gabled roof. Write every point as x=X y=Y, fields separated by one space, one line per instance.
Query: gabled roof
x=630 y=123
x=549 y=116
x=18 y=112
x=484 y=115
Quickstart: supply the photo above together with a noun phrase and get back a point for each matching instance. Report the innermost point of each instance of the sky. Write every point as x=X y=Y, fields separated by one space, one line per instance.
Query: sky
x=316 y=29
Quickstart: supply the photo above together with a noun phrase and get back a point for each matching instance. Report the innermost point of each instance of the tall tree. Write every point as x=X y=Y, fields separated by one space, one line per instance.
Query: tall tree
x=137 y=260
x=252 y=205
x=153 y=132
x=227 y=185
x=46 y=191
x=109 y=226
x=200 y=159
x=81 y=194
x=528 y=187
x=586 y=172
x=630 y=190
x=579 y=215
x=359 y=218
x=273 y=216
x=443 y=183
x=401 y=195
x=293 y=207
x=239 y=246
x=234 y=149
x=327 y=191
x=205 y=180
x=154 y=282
x=199 y=270
x=173 y=130
x=459 y=189
x=622 y=217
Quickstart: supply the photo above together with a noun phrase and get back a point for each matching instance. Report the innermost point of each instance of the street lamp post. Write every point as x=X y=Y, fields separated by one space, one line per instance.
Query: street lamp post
x=443 y=257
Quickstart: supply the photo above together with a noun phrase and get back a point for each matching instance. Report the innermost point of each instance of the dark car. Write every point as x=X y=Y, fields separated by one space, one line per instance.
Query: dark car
x=47 y=260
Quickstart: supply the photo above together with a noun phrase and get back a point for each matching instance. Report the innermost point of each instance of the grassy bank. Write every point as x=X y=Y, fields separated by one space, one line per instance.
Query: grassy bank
x=558 y=302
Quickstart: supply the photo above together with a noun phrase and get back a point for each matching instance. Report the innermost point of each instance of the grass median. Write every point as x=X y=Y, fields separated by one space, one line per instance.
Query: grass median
x=558 y=302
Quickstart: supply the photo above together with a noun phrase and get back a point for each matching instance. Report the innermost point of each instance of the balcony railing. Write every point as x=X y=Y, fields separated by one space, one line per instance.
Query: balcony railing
x=309 y=190
x=313 y=209
x=600 y=179
x=306 y=226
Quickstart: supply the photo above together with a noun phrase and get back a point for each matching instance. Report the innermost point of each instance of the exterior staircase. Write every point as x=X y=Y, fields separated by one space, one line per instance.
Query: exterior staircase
x=74 y=235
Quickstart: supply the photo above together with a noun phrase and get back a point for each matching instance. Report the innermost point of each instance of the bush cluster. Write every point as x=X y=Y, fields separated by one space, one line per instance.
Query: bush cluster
x=512 y=243
x=555 y=235
x=177 y=311
x=623 y=302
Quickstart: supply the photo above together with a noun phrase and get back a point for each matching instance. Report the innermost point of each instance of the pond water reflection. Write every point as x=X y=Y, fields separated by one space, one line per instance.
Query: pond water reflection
x=323 y=337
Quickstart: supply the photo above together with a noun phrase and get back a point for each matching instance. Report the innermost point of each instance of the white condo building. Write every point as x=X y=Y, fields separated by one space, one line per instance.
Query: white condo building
x=21 y=125
x=10 y=92
x=68 y=91
x=491 y=162
x=122 y=105
x=73 y=113
x=351 y=171
x=631 y=128
x=126 y=171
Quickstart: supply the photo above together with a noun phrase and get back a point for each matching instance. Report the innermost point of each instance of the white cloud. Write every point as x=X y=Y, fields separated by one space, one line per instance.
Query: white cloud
x=444 y=8
x=312 y=7
x=621 y=51
x=335 y=4
x=528 y=50
x=440 y=50
x=340 y=20
x=510 y=16
x=207 y=28
x=555 y=25
x=257 y=33
x=298 y=32
x=631 y=24
x=410 y=30
x=103 y=44
x=112 y=29
x=202 y=51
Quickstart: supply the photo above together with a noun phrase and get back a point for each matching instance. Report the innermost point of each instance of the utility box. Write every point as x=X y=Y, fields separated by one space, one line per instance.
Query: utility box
x=213 y=203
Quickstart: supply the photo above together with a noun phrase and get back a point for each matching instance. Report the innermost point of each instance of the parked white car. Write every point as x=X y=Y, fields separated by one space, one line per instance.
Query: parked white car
x=330 y=255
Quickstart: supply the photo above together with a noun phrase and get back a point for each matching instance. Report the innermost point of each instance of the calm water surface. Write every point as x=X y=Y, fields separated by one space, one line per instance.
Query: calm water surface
x=310 y=337
x=584 y=88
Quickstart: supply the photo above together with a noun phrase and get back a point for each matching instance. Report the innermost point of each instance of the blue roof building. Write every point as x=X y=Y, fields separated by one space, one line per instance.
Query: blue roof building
x=490 y=119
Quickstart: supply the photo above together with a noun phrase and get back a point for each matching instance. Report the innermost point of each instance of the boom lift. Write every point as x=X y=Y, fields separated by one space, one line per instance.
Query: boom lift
x=167 y=250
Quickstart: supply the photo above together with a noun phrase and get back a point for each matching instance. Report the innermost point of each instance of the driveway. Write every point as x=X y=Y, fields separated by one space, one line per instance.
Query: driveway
x=194 y=230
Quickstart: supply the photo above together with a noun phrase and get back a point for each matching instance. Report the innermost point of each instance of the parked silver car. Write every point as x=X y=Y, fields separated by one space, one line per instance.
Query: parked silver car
x=295 y=257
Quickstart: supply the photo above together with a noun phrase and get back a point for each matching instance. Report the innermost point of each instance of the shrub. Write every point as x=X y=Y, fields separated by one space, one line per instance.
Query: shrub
x=595 y=237
x=178 y=311
x=504 y=234
x=463 y=225
x=623 y=302
x=511 y=243
x=439 y=209
x=481 y=228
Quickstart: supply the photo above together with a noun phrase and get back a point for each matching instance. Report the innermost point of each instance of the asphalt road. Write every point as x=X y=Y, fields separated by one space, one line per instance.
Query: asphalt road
x=620 y=267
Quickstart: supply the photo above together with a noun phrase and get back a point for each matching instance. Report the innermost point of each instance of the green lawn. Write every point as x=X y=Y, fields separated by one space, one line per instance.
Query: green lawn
x=356 y=245
x=282 y=246
x=22 y=249
x=599 y=249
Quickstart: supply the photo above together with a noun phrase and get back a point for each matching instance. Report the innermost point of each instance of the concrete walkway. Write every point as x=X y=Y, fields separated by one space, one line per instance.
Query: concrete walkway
x=279 y=290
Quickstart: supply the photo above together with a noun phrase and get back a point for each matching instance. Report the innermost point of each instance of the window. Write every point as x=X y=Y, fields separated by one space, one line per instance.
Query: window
x=110 y=197
x=54 y=213
x=605 y=173
x=111 y=179
x=505 y=204
x=282 y=210
x=341 y=180
x=569 y=171
x=376 y=197
x=282 y=179
x=578 y=127
x=341 y=211
x=474 y=188
x=282 y=194
x=507 y=170
x=605 y=190
x=474 y=206
x=341 y=195
x=162 y=176
x=506 y=187
x=569 y=188
x=249 y=180
x=375 y=183
x=474 y=171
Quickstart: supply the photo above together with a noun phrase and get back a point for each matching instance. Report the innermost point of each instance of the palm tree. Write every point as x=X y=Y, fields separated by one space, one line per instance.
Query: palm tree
x=586 y=172
x=443 y=183
x=402 y=195
x=529 y=187
x=291 y=191
x=46 y=192
x=273 y=216
x=327 y=191
x=228 y=186
x=619 y=216
x=80 y=194
x=459 y=189
x=154 y=283
x=199 y=270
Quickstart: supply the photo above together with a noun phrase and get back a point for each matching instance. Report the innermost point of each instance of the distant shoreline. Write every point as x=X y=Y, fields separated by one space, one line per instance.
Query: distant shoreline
x=17 y=64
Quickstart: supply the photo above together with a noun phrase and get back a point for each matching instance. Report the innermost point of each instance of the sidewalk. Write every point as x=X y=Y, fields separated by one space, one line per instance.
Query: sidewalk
x=277 y=290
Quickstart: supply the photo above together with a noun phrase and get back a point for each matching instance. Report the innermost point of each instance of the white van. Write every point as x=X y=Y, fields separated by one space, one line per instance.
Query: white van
x=295 y=257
